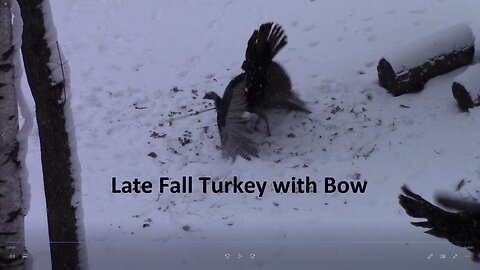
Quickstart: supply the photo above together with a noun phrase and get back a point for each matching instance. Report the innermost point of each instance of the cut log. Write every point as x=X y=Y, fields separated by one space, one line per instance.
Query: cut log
x=409 y=68
x=466 y=88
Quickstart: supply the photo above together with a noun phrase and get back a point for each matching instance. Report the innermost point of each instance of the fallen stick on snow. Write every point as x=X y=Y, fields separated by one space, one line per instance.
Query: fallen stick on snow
x=407 y=69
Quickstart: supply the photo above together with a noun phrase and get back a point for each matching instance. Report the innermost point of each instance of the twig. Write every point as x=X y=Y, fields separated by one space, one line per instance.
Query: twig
x=63 y=72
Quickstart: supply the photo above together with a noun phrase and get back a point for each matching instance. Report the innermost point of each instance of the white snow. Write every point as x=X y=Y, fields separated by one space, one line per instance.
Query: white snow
x=423 y=50
x=470 y=79
x=126 y=56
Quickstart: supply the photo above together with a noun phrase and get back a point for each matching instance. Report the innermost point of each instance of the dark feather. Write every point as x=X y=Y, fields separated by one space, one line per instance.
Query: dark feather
x=460 y=228
x=267 y=84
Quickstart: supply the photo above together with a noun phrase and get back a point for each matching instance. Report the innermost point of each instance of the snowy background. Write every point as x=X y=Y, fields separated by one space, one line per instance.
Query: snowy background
x=135 y=64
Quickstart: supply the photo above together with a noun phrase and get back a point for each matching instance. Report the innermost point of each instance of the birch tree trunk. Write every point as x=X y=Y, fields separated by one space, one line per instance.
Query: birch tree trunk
x=12 y=211
x=40 y=57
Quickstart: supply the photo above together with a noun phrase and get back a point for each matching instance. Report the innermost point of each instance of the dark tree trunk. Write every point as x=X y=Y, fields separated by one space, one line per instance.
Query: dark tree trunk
x=59 y=182
x=410 y=67
x=462 y=96
x=466 y=88
x=413 y=80
x=12 y=210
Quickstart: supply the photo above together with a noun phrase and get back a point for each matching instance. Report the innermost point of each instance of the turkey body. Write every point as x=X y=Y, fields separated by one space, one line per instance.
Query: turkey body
x=263 y=85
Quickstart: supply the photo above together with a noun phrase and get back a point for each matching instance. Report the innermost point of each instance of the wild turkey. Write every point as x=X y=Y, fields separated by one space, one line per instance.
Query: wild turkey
x=232 y=125
x=461 y=228
x=264 y=85
x=267 y=84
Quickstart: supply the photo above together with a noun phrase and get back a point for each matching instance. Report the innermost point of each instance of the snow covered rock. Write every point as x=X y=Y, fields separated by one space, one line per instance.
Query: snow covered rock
x=466 y=88
x=407 y=69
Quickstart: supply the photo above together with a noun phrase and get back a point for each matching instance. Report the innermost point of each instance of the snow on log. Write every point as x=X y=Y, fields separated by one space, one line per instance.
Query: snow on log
x=408 y=69
x=466 y=88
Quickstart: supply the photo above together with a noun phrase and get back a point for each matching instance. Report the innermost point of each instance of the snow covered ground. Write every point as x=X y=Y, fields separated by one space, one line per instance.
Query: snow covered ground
x=135 y=64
